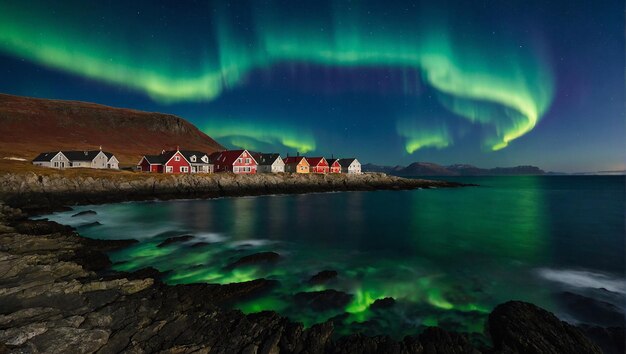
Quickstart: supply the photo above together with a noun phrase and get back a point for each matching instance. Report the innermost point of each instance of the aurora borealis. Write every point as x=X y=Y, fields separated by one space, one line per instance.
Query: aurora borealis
x=447 y=82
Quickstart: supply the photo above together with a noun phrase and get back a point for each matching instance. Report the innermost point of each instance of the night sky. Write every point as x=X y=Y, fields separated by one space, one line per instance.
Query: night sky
x=490 y=83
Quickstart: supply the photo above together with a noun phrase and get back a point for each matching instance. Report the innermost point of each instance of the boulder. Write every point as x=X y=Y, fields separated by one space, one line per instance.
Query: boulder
x=323 y=277
x=177 y=239
x=255 y=258
x=323 y=300
x=521 y=327
x=84 y=213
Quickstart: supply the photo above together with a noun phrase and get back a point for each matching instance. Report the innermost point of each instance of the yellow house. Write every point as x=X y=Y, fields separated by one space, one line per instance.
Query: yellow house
x=296 y=164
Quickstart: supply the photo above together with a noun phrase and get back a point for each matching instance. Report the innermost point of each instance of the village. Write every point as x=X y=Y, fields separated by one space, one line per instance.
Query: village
x=191 y=162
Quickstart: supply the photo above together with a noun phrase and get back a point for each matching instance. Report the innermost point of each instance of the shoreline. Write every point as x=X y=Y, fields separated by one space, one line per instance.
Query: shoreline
x=38 y=193
x=60 y=293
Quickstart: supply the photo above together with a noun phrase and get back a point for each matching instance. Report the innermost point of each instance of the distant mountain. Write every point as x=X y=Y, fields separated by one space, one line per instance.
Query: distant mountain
x=432 y=169
x=32 y=125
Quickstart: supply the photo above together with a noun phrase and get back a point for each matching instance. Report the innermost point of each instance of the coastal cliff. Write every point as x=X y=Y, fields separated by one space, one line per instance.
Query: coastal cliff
x=58 y=294
x=33 y=191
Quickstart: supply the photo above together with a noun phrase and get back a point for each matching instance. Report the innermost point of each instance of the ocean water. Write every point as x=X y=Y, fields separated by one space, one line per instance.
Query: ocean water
x=447 y=256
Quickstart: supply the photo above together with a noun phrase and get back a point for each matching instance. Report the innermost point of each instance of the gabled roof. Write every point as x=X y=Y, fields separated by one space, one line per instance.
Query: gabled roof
x=228 y=157
x=87 y=155
x=45 y=156
x=332 y=161
x=346 y=162
x=266 y=159
x=154 y=159
x=198 y=154
x=314 y=161
x=295 y=160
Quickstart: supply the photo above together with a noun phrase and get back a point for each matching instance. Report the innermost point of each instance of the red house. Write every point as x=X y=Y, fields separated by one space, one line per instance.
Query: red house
x=235 y=161
x=318 y=165
x=334 y=165
x=168 y=162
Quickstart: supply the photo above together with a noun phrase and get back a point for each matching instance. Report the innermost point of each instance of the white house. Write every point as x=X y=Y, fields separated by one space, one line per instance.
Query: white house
x=88 y=158
x=270 y=163
x=350 y=165
x=199 y=161
x=54 y=159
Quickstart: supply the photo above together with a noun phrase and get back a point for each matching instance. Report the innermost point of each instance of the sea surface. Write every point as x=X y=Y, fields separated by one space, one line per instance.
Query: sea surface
x=447 y=256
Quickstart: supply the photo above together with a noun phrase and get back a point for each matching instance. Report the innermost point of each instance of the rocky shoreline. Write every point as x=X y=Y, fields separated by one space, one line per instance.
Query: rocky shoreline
x=34 y=192
x=59 y=294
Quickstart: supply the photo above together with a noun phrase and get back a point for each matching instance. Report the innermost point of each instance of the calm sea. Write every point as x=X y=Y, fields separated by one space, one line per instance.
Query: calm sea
x=447 y=256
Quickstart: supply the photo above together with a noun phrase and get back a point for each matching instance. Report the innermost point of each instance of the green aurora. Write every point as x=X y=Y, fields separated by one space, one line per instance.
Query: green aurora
x=491 y=81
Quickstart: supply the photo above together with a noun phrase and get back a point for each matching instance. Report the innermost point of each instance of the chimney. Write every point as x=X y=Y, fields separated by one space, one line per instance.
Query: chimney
x=332 y=156
x=177 y=148
x=100 y=147
x=298 y=153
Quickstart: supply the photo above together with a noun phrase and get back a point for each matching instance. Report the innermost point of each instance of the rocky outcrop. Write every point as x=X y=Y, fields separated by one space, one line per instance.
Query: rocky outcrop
x=255 y=258
x=34 y=192
x=323 y=277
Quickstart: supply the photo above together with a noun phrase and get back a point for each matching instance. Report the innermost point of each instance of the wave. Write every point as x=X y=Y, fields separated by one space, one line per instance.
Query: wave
x=585 y=279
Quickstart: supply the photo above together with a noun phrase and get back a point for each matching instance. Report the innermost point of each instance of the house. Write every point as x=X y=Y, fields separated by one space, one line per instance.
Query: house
x=350 y=165
x=317 y=164
x=172 y=161
x=269 y=163
x=296 y=164
x=334 y=166
x=87 y=158
x=200 y=162
x=54 y=159
x=236 y=161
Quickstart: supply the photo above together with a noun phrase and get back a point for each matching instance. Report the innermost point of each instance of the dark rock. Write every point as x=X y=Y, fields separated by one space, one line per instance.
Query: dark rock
x=520 y=327
x=323 y=277
x=323 y=300
x=199 y=244
x=592 y=311
x=40 y=227
x=84 y=212
x=385 y=303
x=437 y=340
x=176 y=239
x=107 y=245
x=91 y=224
x=256 y=258
x=611 y=340
x=90 y=259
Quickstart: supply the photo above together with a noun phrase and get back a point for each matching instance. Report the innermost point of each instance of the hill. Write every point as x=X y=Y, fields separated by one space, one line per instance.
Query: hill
x=29 y=126
x=433 y=169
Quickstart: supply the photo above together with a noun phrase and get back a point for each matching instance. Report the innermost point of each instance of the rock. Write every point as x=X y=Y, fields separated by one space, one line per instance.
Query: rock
x=199 y=244
x=256 y=258
x=40 y=227
x=592 y=311
x=323 y=300
x=381 y=304
x=172 y=240
x=520 y=327
x=437 y=340
x=323 y=277
x=91 y=224
x=611 y=340
x=84 y=213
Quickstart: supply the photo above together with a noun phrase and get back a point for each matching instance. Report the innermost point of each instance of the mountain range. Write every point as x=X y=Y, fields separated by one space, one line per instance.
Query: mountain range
x=433 y=169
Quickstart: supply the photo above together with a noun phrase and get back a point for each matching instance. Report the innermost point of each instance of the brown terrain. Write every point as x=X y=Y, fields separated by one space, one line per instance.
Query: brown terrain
x=29 y=126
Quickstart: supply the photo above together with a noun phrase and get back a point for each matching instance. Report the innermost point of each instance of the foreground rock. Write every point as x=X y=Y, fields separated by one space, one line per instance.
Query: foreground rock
x=255 y=258
x=177 y=239
x=57 y=295
x=37 y=193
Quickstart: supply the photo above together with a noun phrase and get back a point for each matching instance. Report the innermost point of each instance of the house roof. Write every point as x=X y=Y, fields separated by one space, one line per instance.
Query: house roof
x=314 y=161
x=346 y=162
x=266 y=159
x=45 y=156
x=154 y=159
x=332 y=161
x=228 y=157
x=294 y=160
x=199 y=154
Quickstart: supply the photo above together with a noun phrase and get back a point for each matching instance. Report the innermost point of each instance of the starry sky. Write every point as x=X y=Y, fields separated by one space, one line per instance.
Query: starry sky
x=490 y=83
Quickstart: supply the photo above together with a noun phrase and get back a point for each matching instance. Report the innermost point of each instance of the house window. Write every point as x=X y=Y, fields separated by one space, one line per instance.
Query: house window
x=247 y=160
x=184 y=169
x=205 y=159
x=239 y=160
x=56 y=164
x=169 y=169
x=177 y=158
x=235 y=169
x=193 y=159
